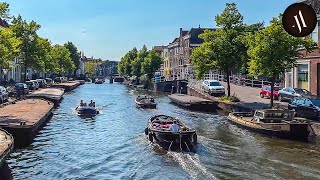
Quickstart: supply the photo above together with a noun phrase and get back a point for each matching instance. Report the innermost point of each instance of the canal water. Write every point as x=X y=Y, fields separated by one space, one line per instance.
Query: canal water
x=113 y=145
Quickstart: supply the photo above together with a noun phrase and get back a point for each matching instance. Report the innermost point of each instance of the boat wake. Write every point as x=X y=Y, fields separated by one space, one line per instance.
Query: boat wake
x=191 y=164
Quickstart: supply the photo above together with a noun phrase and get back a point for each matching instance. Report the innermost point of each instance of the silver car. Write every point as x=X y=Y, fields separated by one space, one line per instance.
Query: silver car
x=4 y=95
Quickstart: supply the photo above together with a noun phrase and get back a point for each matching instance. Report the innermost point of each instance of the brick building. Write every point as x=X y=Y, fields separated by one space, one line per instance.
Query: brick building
x=306 y=74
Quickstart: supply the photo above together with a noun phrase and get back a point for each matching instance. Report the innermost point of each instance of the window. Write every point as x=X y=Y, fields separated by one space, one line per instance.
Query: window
x=308 y=102
x=314 y=34
x=215 y=84
x=300 y=101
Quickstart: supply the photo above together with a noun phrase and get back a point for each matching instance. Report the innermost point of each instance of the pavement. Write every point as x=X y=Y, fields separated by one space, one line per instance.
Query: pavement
x=249 y=96
x=30 y=111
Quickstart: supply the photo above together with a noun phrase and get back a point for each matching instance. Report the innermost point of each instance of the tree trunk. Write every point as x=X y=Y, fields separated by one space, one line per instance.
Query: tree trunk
x=228 y=82
x=272 y=90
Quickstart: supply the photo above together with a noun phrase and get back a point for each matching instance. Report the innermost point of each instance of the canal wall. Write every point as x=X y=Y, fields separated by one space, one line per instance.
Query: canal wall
x=68 y=86
x=25 y=118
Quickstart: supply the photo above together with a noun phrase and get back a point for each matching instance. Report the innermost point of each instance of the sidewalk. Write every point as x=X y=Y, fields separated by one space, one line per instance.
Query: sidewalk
x=248 y=96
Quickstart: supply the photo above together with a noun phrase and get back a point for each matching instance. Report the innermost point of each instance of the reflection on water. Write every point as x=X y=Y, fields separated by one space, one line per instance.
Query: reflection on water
x=112 y=145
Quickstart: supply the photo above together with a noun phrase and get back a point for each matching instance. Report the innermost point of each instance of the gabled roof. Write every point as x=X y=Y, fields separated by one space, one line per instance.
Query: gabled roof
x=184 y=33
x=194 y=34
x=3 y=23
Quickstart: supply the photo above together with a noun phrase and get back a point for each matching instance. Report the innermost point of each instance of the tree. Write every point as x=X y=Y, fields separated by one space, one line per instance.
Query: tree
x=273 y=51
x=90 y=67
x=9 y=46
x=61 y=56
x=27 y=33
x=137 y=62
x=151 y=63
x=74 y=54
x=223 y=48
x=125 y=65
x=4 y=11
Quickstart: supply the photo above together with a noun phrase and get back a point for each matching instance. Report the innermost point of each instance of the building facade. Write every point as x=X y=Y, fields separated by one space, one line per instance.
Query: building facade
x=177 y=63
x=306 y=73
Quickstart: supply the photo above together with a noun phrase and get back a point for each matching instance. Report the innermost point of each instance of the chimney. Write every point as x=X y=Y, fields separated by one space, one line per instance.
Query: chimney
x=180 y=31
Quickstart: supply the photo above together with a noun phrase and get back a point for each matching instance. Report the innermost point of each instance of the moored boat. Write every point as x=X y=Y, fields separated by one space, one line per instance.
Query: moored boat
x=158 y=130
x=275 y=123
x=6 y=145
x=145 y=102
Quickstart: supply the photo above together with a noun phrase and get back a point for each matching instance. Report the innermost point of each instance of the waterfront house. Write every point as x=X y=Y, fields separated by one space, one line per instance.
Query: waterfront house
x=177 y=64
x=306 y=74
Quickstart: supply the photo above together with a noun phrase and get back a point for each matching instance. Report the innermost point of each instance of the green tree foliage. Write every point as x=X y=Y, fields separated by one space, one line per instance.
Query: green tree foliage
x=61 y=56
x=9 y=46
x=224 y=48
x=273 y=51
x=90 y=67
x=4 y=11
x=151 y=63
x=125 y=65
x=74 y=54
x=27 y=33
x=136 y=63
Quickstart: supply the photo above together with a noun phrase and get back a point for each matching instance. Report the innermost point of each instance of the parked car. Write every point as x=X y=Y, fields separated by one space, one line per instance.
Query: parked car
x=60 y=79
x=31 y=85
x=305 y=107
x=21 y=88
x=49 y=82
x=36 y=83
x=4 y=95
x=288 y=94
x=266 y=92
x=213 y=87
x=42 y=83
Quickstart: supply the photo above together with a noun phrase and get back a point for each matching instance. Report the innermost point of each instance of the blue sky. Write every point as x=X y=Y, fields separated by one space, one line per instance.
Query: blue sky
x=109 y=28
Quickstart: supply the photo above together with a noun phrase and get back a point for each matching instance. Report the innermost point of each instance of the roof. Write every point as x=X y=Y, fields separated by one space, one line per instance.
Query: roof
x=315 y=5
x=3 y=23
x=194 y=35
x=184 y=33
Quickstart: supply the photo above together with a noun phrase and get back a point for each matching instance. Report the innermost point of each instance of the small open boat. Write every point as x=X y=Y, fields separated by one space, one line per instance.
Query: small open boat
x=276 y=123
x=87 y=111
x=158 y=130
x=145 y=102
x=99 y=81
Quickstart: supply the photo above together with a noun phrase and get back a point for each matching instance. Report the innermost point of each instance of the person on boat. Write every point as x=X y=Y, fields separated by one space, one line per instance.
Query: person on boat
x=174 y=127
x=94 y=104
x=91 y=103
x=81 y=103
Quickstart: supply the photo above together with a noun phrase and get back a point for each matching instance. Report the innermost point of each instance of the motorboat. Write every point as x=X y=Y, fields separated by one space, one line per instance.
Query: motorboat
x=85 y=110
x=158 y=130
x=145 y=102
x=272 y=122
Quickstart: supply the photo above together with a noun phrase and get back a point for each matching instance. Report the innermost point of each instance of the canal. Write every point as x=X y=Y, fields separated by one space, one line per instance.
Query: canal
x=113 y=145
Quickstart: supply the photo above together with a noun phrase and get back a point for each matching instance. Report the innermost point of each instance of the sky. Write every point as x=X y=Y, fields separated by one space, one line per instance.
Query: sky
x=107 y=29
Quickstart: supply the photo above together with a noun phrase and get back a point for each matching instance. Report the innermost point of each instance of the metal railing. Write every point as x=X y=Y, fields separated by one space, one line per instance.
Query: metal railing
x=238 y=80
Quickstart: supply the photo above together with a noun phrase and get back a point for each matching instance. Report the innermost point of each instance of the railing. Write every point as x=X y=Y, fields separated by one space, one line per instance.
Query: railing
x=238 y=80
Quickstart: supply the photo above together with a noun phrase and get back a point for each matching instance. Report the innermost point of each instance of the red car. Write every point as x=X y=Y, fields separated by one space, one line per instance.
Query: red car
x=266 y=91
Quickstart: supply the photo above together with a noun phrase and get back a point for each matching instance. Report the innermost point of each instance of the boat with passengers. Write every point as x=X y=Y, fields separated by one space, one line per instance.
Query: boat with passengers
x=87 y=110
x=145 y=102
x=160 y=130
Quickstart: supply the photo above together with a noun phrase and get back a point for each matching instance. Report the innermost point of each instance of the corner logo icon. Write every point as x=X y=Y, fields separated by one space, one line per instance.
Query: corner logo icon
x=299 y=20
